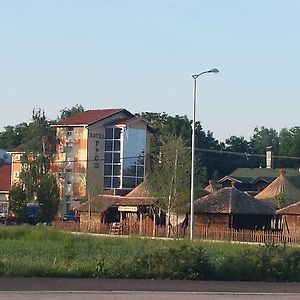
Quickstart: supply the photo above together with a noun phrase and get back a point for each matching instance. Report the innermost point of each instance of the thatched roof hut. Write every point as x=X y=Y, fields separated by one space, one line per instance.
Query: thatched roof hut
x=102 y=202
x=231 y=201
x=231 y=208
x=279 y=188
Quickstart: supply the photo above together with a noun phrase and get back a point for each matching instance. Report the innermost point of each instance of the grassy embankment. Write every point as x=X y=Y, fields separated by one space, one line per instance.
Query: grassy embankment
x=37 y=251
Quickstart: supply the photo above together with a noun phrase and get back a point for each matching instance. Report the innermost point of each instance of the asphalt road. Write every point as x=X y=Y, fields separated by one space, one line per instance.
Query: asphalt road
x=141 y=296
x=104 y=285
x=90 y=289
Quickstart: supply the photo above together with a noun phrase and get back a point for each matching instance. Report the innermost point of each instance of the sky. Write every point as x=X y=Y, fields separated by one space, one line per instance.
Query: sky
x=140 y=55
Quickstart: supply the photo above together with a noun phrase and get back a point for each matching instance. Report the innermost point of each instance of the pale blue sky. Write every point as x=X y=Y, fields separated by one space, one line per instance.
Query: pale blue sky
x=140 y=55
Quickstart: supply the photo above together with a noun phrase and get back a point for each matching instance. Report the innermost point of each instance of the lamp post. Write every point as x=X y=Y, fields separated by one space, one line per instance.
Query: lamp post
x=195 y=76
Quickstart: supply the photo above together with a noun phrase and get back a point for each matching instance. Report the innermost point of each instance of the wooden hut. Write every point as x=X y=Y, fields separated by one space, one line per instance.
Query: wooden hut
x=111 y=208
x=280 y=192
x=290 y=218
x=231 y=208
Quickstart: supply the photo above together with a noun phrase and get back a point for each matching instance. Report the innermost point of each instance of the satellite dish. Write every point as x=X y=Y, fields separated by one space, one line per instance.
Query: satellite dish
x=5 y=158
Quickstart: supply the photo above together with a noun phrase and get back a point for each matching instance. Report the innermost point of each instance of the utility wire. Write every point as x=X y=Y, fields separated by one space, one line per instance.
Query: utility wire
x=220 y=152
x=245 y=154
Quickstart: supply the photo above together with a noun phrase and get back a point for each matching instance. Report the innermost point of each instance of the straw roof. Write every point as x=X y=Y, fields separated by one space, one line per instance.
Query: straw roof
x=230 y=200
x=280 y=186
x=102 y=202
x=98 y=204
x=140 y=191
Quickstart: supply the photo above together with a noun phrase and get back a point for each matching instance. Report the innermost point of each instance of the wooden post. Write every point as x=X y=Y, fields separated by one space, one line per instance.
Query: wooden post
x=140 y=223
x=154 y=225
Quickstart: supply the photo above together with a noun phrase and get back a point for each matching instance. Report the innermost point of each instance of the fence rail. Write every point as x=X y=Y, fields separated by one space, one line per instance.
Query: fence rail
x=147 y=228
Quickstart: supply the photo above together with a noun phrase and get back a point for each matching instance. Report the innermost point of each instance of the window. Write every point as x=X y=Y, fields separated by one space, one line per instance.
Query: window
x=134 y=157
x=112 y=158
x=124 y=155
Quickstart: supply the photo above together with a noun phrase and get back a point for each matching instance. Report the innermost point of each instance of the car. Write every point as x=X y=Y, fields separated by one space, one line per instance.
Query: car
x=2 y=217
x=32 y=214
x=69 y=216
x=10 y=220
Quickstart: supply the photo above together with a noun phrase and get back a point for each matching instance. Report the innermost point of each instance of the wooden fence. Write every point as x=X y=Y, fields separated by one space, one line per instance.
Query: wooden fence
x=146 y=228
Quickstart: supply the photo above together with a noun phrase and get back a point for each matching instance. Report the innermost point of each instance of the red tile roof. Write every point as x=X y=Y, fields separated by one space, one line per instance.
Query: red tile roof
x=5 y=173
x=90 y=116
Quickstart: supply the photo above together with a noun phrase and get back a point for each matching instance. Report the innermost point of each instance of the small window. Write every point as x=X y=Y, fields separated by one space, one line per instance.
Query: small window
x=117 y=133
x=108 y=133
x=107 y=169
x=116 y=145
x=117 y=170
x=107 y=182
x=116 y=157
x=108 y=157
x=116 y=182
x=108 y=145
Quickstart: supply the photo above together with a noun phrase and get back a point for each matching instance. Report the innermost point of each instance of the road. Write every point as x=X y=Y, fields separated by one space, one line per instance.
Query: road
x=141 y=296
x=90 y=289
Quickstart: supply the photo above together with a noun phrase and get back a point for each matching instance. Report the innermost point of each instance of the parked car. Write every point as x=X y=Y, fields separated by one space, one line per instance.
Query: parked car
x=32 y=214
x=2 y=217
x=10 y=220
x=70 y=216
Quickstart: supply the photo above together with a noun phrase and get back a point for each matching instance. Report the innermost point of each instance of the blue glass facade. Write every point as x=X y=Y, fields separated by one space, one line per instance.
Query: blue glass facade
x=124 y=157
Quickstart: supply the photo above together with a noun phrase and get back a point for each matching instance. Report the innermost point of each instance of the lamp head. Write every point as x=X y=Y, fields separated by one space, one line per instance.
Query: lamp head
x=214 y=70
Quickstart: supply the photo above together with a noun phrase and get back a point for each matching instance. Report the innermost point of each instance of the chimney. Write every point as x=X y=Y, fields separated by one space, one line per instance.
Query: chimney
x=269 y=157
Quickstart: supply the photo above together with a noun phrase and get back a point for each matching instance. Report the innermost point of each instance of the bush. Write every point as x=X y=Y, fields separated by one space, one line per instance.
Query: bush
x=44 y=252
x=265 y=263
x=181 y=262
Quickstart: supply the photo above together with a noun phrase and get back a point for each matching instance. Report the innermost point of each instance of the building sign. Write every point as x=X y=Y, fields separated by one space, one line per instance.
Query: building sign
x=269 y=159
x=96 y=135
x=128 y=208
x=96 y=146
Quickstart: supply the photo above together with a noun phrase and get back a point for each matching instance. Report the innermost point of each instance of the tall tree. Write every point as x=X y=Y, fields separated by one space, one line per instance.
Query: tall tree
x=289 y=146
x=47 y=198
x=170 y=180
x=18 y=203
x=40 y=137
x=180 y=126
x=13 y=136
x=264 y=137
x=69 y=112
x=35 y=166
x=39 y=146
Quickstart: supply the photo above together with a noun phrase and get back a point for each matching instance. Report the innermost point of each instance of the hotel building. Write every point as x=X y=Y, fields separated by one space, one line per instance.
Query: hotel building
x=100 y=150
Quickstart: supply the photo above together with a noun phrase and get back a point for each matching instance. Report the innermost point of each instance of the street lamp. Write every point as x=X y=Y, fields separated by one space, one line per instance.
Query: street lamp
x=195 y=76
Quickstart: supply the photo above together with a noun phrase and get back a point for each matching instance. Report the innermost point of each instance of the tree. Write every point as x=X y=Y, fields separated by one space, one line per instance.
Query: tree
x=69 y=112
x=262 y=138
x=169 y=181
x=48 y=198
x=18 y=203
x=289 y=145
x=40 y=137
x=280 y=200
x=13 y=136
x=34 y=168
x=180 y=126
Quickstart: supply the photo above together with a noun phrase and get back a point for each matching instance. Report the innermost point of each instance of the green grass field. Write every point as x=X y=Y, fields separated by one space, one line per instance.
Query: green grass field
x=44 y=252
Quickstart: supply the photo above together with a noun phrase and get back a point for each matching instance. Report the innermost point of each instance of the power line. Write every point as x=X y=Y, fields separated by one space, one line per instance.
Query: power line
x=247 y=155
x=82 y=160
